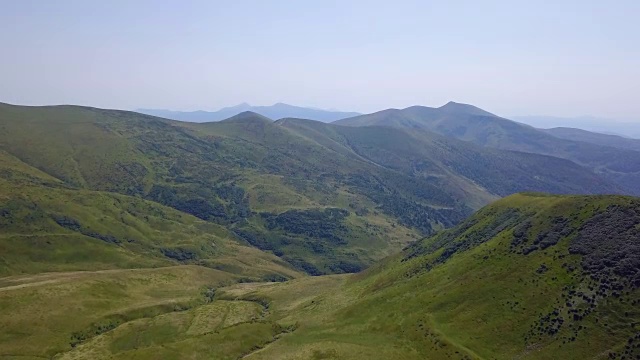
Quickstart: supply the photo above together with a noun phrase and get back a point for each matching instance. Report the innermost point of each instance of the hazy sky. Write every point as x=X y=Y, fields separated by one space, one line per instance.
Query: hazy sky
x=564 y=58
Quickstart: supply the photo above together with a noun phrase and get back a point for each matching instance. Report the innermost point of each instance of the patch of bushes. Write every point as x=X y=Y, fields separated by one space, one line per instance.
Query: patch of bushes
x=410 y=211
x=74 y=225
x=179 y=254
x=112 y=321
x=466 y=236
x=311 y=240
x=559 y=228
x=274 y=278
x=68 y=223
x=610 y=244
x=344 y=266
x=303 y=265
x=325 y=224
x=255 y=238
x=521 y=233
x=204 y=201
x=420 y=248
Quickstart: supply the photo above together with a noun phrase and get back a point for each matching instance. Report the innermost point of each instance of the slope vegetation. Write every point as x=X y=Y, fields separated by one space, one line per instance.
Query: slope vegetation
x=49 y=226
x=324 y=198
x=76 y=263
x=529 y=277
x=431 y=156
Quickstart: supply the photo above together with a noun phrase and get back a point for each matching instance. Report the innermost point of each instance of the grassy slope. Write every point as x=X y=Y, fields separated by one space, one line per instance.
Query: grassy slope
x=45 y=314
x=62 y=285
x=215 y=177
x=47 y=226
x=481 y=298
x=430 y=155
x=465 y=293
x=470 y=293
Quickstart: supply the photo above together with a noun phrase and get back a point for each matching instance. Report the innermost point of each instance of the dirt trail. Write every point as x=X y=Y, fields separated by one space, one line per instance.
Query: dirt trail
x=32 y=235
x=25 y=281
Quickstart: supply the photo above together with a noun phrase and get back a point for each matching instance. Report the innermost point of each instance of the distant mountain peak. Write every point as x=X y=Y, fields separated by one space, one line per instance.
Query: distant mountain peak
x=248 y=116
x=454 y=107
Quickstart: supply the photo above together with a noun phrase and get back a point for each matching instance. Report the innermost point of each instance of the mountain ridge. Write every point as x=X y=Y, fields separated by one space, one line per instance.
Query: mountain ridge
x=323 y=197
x=621 y=166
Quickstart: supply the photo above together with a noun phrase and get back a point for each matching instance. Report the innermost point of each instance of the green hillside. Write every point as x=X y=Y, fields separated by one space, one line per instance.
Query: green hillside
x=76 y=263
x=531 y=276
x=213 y=177
x=183 y=251
x=324 y=198
x=466 y=122
x=48 y=226
x=448 y=161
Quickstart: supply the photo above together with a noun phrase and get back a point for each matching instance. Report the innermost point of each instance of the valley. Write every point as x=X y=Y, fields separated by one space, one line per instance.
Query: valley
x=399 y=180
x=127 y=236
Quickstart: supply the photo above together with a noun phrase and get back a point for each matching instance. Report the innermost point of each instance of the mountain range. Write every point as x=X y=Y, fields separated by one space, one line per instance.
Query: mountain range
x=445 y=233
x=471 y=124
x=322 y=197
x=275 y=111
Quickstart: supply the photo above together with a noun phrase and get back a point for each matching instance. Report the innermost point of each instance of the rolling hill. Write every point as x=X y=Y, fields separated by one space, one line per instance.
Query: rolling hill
x=46 y=225
x=216 y=178
x=429 y=155
x=275 y=111
x=469 y=123
x=531 y=276
x=324 y=198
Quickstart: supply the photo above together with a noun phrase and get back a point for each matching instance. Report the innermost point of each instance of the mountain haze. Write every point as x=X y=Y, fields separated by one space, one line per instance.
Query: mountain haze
x=615 y=141
x=275 y=111
x=628 y=128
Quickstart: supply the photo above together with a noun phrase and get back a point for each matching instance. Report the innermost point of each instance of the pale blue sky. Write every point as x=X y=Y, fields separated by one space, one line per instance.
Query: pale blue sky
x=564 y=58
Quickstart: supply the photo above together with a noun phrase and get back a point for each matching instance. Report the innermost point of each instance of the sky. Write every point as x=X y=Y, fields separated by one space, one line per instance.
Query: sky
x=562 y=58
